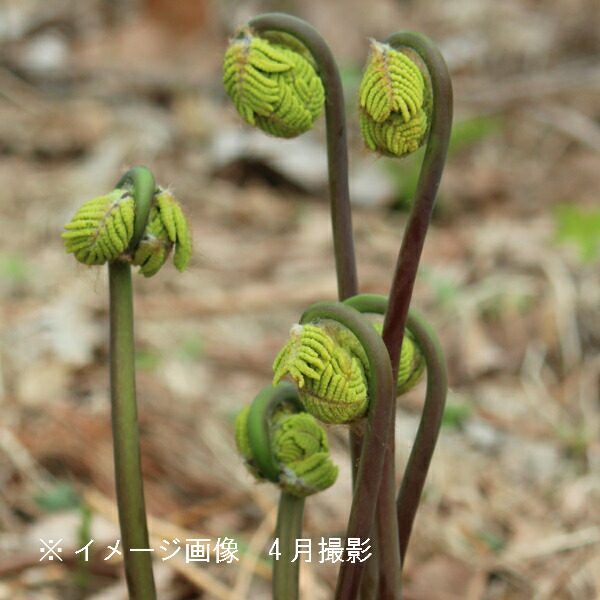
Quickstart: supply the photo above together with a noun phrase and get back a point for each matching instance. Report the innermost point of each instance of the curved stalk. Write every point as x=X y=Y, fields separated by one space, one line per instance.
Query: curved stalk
x=128 y=473
x=416 y=229
x=142 y=183
x=427 y=187
x=380 y=413
x=259 y=425
x=384 y=575
x=337 y=148
x=286 y=574
x=421 y=454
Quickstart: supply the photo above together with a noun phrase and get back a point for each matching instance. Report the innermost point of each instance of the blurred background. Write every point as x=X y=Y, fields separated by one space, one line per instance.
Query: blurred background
x=509 y=278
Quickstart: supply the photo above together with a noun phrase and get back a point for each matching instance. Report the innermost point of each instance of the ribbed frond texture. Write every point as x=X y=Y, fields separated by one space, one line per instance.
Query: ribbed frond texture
x=412 y=362
x=299 y=445
x=167 y=227
x=395 y=102
x=272 y=86
x=102 y=229
x=329 y=368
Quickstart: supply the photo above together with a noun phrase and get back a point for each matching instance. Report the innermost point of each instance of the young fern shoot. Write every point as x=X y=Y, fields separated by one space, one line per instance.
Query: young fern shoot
x=137 y=223
x=422 y=114
x=278 y=72
x=282 y=444
x=269 y=104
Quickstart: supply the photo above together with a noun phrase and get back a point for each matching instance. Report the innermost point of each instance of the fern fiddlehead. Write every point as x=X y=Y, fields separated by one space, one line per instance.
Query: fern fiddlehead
x=274 y=87
x=102 y=228
x=395 y=102
x=137 y=223
x=326 y=359
x=289 y=448
x=331 y=369
x=288 y=33
x=102 y=231
x=286 y=446
x=438 y=108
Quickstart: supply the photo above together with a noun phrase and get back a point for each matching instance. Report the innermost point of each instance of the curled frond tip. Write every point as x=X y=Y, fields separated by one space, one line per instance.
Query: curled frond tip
x=273 y=86
x=331 y=369
x=300 y=449
x=102 y=229
x=395 y=102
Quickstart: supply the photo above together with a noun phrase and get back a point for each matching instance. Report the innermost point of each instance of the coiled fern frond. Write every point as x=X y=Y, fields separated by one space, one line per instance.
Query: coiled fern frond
x=300 y=447
x=167 y=228
x=273 y=86
x=412 y=362
x=395 y=102
x=102 y=229
x=331 y=369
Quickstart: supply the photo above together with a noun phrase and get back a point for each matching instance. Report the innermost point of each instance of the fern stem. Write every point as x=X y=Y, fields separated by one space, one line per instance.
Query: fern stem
x=415 y=473
x=410 y=254
x=259 y=425
x=427 y=187
x=128 y=470
x=141 y=180
x=337 y=149
x=381 y=412
x=428 y=431
x=384 y=573
x=129 y=486
x=286 y=574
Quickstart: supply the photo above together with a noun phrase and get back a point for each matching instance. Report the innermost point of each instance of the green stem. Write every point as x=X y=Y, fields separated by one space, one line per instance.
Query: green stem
x=143 y=187
x=259 y=425
x=337 y=148
x=381 y=412
x=129 y=485
x=286 y=574
x=128 y=470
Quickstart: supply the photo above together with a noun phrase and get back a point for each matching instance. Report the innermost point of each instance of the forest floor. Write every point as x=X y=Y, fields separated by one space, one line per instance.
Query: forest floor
x=509 y=278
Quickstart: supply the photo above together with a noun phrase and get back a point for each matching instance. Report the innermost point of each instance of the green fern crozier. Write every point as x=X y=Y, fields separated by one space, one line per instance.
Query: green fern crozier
x=395 y=102
x=300 y=448
x=102 y=229
x=331 y=369
x=273 y=87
